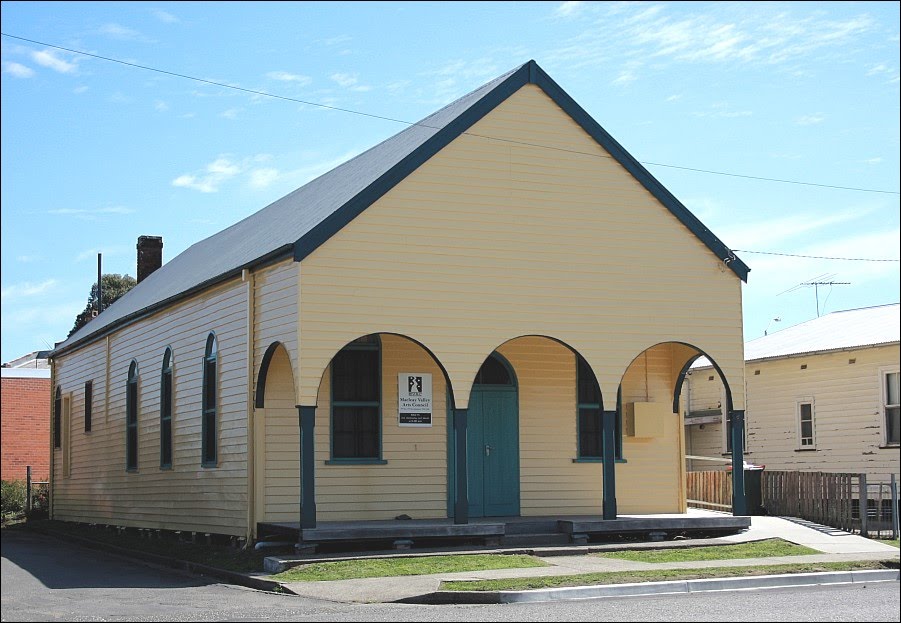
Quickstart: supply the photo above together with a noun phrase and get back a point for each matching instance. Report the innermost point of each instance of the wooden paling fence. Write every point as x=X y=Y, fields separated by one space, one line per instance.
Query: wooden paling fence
x=711 y=489
x=828 y=499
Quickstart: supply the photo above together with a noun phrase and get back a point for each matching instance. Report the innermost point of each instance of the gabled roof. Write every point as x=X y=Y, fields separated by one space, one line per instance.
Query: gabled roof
x=297 y=224
x=853 y=328
x=842 y=330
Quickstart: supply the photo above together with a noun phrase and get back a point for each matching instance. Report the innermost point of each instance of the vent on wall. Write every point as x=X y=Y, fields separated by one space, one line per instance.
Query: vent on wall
x=803 y=366
x=850 y=361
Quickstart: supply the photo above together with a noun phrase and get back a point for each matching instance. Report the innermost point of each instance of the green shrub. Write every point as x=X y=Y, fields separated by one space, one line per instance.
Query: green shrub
x=12 y=497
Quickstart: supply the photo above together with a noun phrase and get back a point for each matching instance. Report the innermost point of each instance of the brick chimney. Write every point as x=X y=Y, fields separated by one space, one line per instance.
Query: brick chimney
x=150 y=255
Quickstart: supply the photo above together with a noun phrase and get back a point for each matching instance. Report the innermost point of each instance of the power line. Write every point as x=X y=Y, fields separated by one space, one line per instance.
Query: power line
x=413 y=123
x=817 y=257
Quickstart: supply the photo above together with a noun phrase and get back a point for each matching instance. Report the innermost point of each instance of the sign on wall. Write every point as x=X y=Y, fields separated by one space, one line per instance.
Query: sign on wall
x=414 y=399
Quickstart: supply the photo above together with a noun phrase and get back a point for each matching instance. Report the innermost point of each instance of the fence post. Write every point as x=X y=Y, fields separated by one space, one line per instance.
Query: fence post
x=862 y=495
x=28 y=489
x=894 y=488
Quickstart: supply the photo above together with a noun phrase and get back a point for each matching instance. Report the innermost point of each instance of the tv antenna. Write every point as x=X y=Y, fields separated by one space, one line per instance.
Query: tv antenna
x=826 y=279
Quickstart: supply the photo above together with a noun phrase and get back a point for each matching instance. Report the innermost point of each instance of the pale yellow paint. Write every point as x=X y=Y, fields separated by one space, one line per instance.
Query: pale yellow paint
x=414 y=479
x=278 y=447
x=490 y=240
x=186 y=497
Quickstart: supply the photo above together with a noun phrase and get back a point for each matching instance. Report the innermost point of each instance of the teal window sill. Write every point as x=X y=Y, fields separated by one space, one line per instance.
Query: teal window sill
x=597 y=460
x=356 y=462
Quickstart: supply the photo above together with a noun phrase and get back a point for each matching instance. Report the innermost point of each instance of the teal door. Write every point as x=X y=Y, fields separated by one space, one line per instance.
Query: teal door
x=493 y=442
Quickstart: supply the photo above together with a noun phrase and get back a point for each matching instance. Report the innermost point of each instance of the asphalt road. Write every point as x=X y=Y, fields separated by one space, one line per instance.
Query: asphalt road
x=44 y=579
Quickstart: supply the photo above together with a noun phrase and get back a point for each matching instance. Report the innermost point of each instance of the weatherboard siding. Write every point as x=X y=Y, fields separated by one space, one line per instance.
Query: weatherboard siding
x=413 y=480
x=847 y=412
x=491 y=240
x=185 y=497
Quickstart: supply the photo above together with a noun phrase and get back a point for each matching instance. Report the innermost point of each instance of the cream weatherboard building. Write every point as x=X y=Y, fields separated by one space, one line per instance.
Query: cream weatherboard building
x=488 y=314
x=821 y=396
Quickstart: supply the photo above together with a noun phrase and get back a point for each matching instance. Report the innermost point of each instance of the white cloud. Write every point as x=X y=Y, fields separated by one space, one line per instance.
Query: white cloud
x=27 y=259
x=674 y=98
x=123 y=33
x=47 y=58
x=92 y=213
x=813 y=119
x=261 y=178
x=722 y=110
x=350 y=81
x=285 y=76
x=231 y=113
x=80 y=89
x=763 y=235
x=165 y=17
x=569 y=9
x=215 y=174
x=875 y=160
x=17 y=70
x=26 y=289
x=161 y=106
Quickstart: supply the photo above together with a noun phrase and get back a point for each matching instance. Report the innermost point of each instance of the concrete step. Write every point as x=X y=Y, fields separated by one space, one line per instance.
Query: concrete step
x=522 y=540
x=540 y=526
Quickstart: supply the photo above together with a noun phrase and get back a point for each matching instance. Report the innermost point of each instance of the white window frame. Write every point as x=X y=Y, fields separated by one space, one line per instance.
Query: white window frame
x=883 y=373
x=806 y=400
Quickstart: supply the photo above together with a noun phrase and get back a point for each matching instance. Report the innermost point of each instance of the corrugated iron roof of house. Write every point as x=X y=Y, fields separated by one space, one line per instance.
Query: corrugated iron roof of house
x=37 y=360
x=850 y=328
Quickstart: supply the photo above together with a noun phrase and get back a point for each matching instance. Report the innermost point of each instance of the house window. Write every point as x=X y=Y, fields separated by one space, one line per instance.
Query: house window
x=590 y=422
x=58 y=418
x=891 y=408
x=88 y=405
x=356 y=401
x=805 y=425
x=210 y=396
x=131 y=418
x=166 y=411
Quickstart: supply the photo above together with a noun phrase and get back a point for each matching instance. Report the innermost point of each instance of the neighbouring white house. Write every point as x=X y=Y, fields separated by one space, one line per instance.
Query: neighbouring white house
x=821 y=396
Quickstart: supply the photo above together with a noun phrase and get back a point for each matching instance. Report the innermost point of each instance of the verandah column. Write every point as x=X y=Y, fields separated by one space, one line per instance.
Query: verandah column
x=307 y=418
x=461 y=499
x=609 y=458
x=739 y=502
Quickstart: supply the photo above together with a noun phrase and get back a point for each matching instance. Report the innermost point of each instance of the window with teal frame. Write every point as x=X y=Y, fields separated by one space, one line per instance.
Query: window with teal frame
x=131 y=418
x=590 y=416
x=208 y=433
x=166 y=411
x=356 y=411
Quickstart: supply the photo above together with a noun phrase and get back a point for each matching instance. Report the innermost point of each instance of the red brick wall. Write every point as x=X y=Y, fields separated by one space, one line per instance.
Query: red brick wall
x=25 y=432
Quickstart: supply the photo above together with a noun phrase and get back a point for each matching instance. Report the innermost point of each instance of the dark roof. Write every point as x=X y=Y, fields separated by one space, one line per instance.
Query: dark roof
x=297 y=224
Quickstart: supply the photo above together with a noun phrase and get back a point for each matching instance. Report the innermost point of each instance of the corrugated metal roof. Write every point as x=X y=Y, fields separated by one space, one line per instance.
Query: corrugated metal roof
x=280 y=223
x=301 y=221
x=852 y=328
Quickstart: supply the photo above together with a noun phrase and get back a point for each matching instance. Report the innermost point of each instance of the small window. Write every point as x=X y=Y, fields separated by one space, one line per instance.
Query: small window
x=891 y=408
x=166 y=411
x=131 y=418
x=210 y=395
x=356 y=402
x=88 y=405
x=58 y=418
x=493 y=372
x=805 y=426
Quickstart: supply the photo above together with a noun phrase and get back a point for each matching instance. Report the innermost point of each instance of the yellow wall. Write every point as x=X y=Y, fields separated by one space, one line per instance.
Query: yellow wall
x=414 y=479
x=490 y=240
x=186 y=497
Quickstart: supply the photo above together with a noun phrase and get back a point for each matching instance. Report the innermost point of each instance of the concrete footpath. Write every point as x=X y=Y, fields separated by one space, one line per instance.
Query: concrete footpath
x=835 y=545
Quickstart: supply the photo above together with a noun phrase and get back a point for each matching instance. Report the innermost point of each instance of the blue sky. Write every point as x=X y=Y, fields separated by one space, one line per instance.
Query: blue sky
x=96 y=153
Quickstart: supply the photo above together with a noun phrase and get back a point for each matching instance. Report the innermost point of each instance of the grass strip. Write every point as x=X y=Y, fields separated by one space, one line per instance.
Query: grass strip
x=768 y=548
x=419 y=565
x=658 y=575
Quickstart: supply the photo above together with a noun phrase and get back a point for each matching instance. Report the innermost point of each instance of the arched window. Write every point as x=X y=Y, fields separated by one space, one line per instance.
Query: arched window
x=131 y=418
x=591 y=429
x=166 y=411
x=58 y=418
x=210 y=401
x=356 y=402
x=493 y=372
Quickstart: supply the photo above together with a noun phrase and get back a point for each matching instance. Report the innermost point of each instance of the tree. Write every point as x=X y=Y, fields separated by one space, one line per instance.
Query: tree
x=114 y=286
